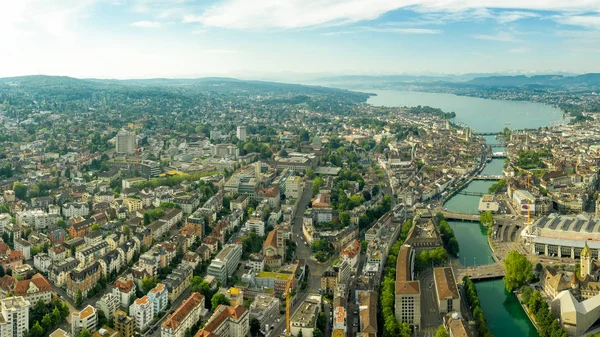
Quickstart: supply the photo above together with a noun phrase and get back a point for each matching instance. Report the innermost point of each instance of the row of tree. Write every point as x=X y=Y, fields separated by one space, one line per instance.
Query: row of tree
x=448 y=238
x=426 y=258
x=475 y=305
x=387 y=297
x=548 y=325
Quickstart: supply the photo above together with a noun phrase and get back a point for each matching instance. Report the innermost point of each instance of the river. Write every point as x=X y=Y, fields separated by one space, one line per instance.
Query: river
x=504 y=315
x=482 y=115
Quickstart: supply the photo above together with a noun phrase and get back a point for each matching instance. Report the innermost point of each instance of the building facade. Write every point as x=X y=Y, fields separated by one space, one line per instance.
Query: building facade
x=86 y=318
x=15 y=316
x=185 y=317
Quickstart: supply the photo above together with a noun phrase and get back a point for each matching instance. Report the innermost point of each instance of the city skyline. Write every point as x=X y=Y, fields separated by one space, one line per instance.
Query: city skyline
x=263 y=39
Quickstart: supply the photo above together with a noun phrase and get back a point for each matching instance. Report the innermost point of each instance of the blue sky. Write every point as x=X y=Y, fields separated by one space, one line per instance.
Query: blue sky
x=295 y=38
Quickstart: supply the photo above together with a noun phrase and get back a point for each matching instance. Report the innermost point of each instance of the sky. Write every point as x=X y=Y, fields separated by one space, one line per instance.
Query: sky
x=287 y=38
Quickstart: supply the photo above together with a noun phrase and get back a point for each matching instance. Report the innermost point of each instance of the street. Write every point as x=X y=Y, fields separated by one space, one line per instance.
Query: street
x=303 y=251
x=430 y=318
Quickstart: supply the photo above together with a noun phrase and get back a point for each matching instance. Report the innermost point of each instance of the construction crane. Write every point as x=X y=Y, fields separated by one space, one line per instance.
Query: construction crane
x=288 y=299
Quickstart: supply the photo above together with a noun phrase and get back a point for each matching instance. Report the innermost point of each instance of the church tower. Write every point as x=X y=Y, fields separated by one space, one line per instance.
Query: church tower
x=586 y=262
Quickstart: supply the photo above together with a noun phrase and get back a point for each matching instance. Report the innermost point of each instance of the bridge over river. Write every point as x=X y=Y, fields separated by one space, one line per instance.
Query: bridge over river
x=488 y=177
x=479 y=273
x=460 y=216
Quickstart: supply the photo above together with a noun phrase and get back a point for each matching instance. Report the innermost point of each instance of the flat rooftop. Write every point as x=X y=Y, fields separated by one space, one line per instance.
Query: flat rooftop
x=277 y=276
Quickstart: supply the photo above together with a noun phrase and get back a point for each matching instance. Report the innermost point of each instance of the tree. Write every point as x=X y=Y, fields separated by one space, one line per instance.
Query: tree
x=20 y=190
x=249 y=147
x=344 y=219
x=363 y=245
x=316 y=185
x=299 y=333
x=217 y=300
x=321 y=321
x=37 y=330
x=84 y=333
x=518 y=270
x=254 y=327
x=148 y=283
x=47 y=322
x=486 y=218
x=95 y=227
x=56 y=316
x=317 y=333
x=539 y=268
x=78 y=298
x=441 y=332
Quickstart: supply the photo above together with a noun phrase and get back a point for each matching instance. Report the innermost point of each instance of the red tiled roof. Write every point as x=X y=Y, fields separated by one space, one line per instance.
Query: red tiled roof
x=123 y=287
x=15 y=255
x=159 y=287
x=268 y=192
x=183 y=311
x=271 y=240
x=321 y=200
x=213 y=324
x=40 y=282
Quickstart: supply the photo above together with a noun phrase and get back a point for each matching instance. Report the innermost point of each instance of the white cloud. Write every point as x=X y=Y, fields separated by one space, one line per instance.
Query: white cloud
x=500 y=36
x=199 y=31
x=53 y=18
x=506 y=17
x=146 y=24
x=587 y=21
x=263 y=14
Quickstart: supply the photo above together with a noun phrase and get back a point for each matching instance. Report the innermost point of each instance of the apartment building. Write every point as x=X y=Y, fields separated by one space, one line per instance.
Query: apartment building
x=227 y=321
x=185 y=317
x=226 y=262
x=142 y=311
x=86 y=318
x=15 y=316
x=159 y=297
x=124 y=324
x=108 y=304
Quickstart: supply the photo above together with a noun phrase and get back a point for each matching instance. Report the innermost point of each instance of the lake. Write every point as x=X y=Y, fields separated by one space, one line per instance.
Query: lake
x=482 y=115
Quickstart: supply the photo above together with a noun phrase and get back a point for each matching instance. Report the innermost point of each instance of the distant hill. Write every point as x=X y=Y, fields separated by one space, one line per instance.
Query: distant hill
x=588 y=80
x=62 y=89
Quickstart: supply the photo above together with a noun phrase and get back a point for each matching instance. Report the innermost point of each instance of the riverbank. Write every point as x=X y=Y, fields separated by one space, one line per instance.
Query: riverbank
x=526 y=310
